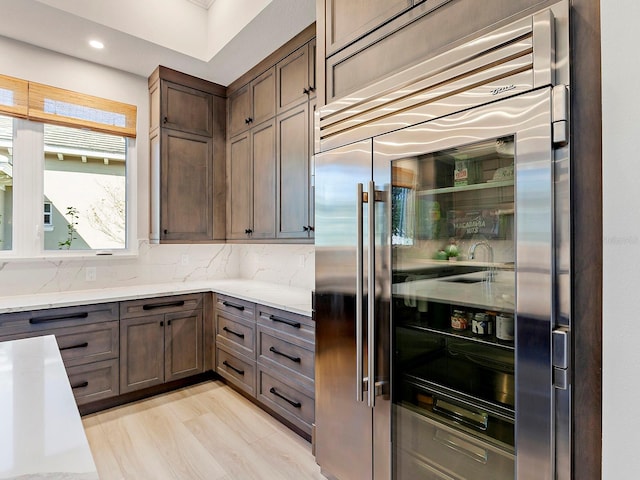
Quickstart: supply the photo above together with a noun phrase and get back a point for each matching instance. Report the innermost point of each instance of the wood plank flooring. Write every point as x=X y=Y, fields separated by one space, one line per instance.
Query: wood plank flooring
x=206 y=431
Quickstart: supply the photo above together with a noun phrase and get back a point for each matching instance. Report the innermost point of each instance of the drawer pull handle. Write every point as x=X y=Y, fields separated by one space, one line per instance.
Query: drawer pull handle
x=293 y=359
x=288 y=400
x=237 y=370
x=153 y=306
x=233 y=305
x=80 y=345
x=58 y=318
x=80 y=385
x=285 y=321
x=241 y=335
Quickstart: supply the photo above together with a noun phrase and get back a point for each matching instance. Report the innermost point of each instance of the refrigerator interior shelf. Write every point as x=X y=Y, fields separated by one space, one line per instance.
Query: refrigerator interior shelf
x=466 y=335
x=466 y=188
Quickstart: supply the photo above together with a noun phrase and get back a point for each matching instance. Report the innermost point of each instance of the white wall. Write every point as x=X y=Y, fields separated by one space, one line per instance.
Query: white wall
x=621 y=249
x=283 y=264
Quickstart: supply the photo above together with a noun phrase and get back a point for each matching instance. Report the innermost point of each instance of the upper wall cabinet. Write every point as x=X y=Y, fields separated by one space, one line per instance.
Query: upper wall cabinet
x=296 y=78
x=253 y=103
x=347 y=20
x=187 y=149
x=366 y=42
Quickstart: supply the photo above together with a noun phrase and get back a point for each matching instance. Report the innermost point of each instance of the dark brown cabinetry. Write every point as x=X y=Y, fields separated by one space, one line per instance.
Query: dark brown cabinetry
x=268 y=152
x=161 y=340
x=187 y=135
x=270 y=355
x=88 y=340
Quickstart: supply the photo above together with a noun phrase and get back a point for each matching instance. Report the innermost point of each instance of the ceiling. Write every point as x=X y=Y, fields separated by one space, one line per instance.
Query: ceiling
x=217 y=40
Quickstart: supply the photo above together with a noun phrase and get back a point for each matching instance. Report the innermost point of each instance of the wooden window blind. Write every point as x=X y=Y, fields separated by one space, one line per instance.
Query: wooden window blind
x=47 y=104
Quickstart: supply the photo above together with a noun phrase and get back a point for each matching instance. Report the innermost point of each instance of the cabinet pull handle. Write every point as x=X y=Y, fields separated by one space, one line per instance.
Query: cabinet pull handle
x=241 y=335
x=291 y=402
x=165 y=119
x=293 y=359
x=169 y=322
x=306 y=91
x=152 y=306
x=237 y=370
x=165 y=231
x=71 y=347
x=285 y=321
x=310 y=228
x=162 y=323
x=311 y=88
x=57 y=318
x=80 y=385
x=233 y=305
x=305 y=228
x=248 y=120
x=248 y=231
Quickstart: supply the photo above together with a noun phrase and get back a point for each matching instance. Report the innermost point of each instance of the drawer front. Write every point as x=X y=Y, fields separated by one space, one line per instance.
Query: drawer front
x=158 y=305
x=285 y=353
x=237 y=334
x=440 y=448
x=239 y=371
x=94 y=381
x=286 y=399
x=287 y=322
x=40 y=321
x=90 y=343
x=236 y=307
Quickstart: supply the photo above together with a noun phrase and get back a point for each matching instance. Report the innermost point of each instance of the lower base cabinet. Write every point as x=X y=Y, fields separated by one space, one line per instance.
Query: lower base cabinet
x=161 y=340
x=268 y=354
x=94 y=381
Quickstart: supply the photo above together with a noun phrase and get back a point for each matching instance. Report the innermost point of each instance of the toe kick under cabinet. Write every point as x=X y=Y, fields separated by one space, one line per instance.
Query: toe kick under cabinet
x=269 y=354
x=88 y=340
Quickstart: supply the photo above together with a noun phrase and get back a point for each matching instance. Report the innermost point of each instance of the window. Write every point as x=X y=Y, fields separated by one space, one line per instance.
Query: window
x=64 y=172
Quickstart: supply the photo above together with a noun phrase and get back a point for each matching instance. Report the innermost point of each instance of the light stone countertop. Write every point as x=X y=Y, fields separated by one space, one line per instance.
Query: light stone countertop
x=291 y=299
x=41 y=434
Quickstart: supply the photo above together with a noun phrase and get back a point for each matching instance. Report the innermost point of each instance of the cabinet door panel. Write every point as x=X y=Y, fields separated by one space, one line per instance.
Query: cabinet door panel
x=264 y=97
x=239 y=110
x=141 y=352
x=183 y=345
x=240 y=187
x=187 y=187
x=347 y=20
x=264 y=180
x=293 y=79
x=293 y=173
x=187 y=109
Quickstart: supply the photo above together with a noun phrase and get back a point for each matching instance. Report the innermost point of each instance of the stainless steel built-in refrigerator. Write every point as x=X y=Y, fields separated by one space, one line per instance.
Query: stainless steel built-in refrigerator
x=442 y=297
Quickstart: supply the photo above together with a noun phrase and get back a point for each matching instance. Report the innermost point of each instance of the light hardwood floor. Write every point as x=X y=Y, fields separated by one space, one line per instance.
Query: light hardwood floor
x=206 y=431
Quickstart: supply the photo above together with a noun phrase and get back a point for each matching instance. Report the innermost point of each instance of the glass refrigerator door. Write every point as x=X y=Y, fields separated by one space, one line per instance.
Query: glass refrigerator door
x=471 y=309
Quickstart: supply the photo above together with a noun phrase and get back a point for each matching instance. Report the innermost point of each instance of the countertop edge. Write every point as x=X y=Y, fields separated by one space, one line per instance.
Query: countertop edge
x=283 y=297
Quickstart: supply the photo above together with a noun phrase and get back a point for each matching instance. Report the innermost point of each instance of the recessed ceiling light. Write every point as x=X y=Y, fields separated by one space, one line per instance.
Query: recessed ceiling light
x=96 y=44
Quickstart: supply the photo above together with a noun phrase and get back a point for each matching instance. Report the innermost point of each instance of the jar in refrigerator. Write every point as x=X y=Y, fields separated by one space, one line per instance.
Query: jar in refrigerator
x=505 y=328
x=482 y=324
x=459 y=320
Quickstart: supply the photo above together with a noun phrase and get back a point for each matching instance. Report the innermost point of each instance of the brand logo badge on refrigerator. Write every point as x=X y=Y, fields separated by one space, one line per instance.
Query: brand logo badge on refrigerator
x=499 y=90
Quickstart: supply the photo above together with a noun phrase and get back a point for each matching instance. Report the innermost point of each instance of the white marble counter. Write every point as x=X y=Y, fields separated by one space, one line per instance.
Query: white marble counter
x=292 y=299
x=41 y=434
x=496 y=295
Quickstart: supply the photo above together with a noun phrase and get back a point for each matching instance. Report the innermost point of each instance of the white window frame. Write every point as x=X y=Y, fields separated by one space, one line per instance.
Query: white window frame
x=48 y=226
x=28 y=198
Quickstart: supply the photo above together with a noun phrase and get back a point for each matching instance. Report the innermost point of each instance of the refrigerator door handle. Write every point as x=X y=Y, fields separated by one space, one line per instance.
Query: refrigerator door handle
x=359 y=294
x=371 y=296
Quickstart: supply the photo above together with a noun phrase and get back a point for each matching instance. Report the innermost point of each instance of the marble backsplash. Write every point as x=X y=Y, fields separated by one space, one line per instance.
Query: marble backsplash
x=281 y=264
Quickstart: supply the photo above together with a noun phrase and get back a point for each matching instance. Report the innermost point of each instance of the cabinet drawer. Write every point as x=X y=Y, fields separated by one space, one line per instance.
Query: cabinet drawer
x=89 y=343
x=237 y=370
x=39 y=321
x=94 y=381
x=290 y=323
x=237 y=334
x=148 y=306
x=292 y=356
x=438 y=447
x=236 y=307
x=286 y=399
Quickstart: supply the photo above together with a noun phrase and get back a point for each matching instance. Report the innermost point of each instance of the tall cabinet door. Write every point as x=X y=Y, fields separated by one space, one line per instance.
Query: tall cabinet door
x=187 y=186
x=264 y=180
x=239 y=187
x=340 y=412
x=293 y=173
